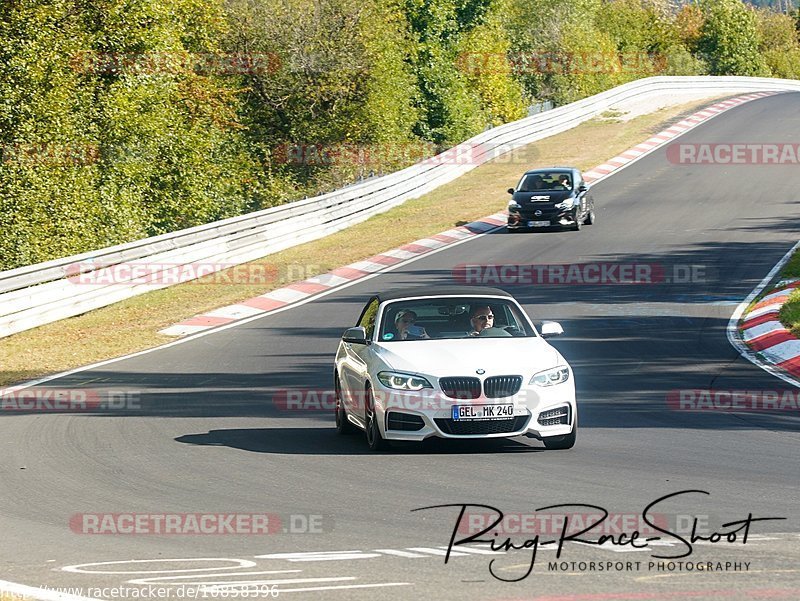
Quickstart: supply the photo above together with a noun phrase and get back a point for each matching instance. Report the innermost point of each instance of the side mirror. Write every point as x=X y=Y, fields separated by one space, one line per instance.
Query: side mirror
x=357 y=335
x=511 y=190
x=583 y=188
x=551 y=328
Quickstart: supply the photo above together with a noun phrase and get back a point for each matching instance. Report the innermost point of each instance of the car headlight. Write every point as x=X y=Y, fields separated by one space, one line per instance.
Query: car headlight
x=550 y=377
x=514 y=205
x=398 y=381
x=565 y=204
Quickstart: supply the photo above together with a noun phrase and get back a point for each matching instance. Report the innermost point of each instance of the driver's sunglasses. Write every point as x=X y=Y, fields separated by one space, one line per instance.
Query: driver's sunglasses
x=483 y=317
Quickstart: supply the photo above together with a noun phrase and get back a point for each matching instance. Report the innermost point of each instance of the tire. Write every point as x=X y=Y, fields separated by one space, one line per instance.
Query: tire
x=375 y=441
x=576 y=227
x=562 y=443
x=343 y=425
x=590 y=218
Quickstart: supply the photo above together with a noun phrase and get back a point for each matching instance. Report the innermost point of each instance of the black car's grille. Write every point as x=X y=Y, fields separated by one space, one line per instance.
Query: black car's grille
x=494 y=426
x=554 y=417
x=502 y=386
x=404 y=421
x=546 y=211
x=461 y=388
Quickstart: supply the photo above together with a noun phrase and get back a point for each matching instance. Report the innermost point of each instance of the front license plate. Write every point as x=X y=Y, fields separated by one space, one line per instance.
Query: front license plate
x=473 y=412
x=538 y=223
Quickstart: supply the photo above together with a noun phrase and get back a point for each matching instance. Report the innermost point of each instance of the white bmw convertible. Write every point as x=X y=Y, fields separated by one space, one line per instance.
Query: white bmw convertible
x=460 y=362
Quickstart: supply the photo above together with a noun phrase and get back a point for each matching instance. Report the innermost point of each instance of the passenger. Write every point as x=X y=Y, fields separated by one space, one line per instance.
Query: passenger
x=404 y=323
x=564 y=181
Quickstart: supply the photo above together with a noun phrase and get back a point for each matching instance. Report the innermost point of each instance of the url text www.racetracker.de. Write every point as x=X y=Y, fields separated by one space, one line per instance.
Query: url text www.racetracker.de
x=150 y=592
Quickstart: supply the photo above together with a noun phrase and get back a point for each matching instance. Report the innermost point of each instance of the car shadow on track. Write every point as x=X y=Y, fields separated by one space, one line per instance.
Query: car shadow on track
x=324 y=441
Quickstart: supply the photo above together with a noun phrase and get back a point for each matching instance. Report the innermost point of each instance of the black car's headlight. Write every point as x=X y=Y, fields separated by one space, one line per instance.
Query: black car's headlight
x=399 y=381
x=514 y=205
x=550 y=377
x=565 y=204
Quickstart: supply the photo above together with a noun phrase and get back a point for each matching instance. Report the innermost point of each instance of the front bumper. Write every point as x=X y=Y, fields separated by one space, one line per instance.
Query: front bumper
x=548 y=218
x=415 y=417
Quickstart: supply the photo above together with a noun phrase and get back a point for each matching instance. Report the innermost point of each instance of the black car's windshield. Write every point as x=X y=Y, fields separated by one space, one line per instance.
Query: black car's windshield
x=443 y=318
x=545 y=180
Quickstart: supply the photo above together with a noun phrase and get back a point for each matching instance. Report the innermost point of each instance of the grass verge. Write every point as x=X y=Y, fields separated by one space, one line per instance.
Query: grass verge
x=133 y=324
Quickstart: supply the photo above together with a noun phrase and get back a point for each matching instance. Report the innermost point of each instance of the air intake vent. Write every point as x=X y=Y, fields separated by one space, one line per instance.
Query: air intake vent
x=494 y=426
x=554 y=417
x=404 y=421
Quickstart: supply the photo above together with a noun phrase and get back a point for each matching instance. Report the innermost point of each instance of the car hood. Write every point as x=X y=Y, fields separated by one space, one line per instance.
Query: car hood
x=541 y=196
x=497 y=356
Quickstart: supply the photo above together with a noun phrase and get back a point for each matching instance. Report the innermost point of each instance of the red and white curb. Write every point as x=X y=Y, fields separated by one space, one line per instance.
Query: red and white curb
x=299 y=291
x=756 y=332
x=762 y=331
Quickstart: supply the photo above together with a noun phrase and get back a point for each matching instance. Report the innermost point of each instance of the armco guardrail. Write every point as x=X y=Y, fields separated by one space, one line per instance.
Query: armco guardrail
x=38 y=294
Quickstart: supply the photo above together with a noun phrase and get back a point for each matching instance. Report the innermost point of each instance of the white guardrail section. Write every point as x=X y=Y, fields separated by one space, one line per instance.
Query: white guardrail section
x=43 y=293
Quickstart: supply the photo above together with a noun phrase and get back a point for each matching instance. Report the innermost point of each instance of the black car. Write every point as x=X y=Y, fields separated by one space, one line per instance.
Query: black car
x=555 y=197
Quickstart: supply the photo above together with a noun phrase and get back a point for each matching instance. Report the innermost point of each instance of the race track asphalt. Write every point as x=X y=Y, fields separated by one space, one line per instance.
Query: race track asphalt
x=208 y=437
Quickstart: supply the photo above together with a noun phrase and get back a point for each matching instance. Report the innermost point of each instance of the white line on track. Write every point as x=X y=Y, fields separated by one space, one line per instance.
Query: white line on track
x=197 y=578
x=81 y=568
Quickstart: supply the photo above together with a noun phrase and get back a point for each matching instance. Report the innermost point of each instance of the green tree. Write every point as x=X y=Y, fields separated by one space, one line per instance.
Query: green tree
x=341 y=79
x=637 y=27
x=779 y=43
x=483 y=54
x=449 y=108
x=117 y=123
x=48 y=140
x=729 y=39
x=563 y=55
x=689 y=25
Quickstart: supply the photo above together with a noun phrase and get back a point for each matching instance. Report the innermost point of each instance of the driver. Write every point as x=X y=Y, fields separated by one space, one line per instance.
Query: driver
x=481 y=318
x=536 y=183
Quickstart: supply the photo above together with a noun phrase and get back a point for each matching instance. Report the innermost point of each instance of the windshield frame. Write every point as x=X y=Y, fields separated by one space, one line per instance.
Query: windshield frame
x=385 y=322
x=557 y=172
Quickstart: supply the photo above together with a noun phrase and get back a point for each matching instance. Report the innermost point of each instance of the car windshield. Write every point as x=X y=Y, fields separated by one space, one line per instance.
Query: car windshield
x=444 y=318
x=545 y=180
